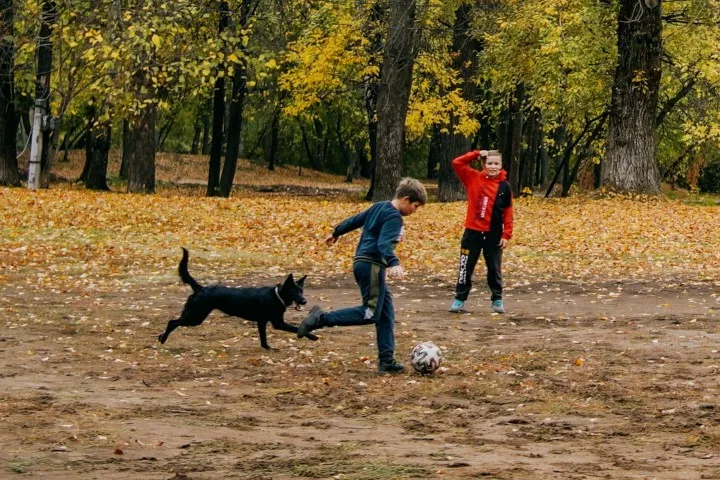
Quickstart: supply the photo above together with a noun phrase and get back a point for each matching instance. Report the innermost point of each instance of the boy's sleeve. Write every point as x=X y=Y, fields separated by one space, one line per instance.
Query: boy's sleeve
x=507 y=218
x=350 y=224
x=462 y=168
x=389 y=235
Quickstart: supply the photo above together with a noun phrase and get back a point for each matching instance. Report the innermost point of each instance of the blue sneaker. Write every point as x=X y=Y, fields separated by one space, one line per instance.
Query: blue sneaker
x=456 y=306
x=497 y=306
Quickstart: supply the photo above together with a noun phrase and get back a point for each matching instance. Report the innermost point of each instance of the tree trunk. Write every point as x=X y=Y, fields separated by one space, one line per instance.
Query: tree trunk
x=197 y=131
x=512 y=164
x=433 y=161
x=630 y=163
x=141 y=168
x=9 y=172
x=353 y=171
x=527 y=168
x=237 y=104
x=543 y=160
x=274 y=134
x=218 y=118
x=464 y=53
x=126 y=149
x=347 y=158
x=393 y=97
x=96 y=149
x=42 y=89
x=450 y=189
x=206 y=132
x=372 y=86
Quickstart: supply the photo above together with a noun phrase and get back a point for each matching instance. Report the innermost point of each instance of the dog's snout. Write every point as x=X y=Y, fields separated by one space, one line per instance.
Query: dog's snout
x=302 y=301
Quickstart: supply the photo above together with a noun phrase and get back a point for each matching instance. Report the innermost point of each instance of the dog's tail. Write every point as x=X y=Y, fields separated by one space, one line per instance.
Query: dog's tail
x=185 y=275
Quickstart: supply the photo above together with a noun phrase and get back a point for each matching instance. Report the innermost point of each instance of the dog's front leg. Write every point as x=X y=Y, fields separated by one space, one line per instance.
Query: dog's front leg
x=287 y=327
x=262 y=331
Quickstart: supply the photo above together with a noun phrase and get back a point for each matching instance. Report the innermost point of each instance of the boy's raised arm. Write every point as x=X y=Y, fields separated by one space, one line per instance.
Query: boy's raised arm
x=461 y=165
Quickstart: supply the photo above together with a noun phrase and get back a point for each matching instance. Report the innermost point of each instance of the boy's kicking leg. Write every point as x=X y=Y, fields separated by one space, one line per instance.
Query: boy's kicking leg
x=367 y=276
x=377 y=308
x=470 y=247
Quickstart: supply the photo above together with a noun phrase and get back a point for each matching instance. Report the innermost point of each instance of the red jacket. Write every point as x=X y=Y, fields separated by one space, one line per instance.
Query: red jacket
x=489 y=206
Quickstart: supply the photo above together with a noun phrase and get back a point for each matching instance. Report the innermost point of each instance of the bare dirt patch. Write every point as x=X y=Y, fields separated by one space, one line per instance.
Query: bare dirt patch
x=615 y=380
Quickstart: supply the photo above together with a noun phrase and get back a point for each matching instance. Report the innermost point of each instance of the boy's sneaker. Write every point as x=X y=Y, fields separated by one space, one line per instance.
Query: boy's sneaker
x=312 y=322
x=498 y=307
x=390 y=368
x=456 y=306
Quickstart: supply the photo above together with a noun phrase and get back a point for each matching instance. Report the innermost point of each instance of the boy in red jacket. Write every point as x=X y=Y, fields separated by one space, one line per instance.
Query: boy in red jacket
x=488 y=224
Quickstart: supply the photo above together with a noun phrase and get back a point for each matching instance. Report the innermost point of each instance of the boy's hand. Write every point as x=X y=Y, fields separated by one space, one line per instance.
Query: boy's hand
x=396 y=272
x=330 y=240
x=504 y=242
x=483 y=153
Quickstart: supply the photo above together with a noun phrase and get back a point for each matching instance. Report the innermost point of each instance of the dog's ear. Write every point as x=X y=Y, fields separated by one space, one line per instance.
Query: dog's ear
x=301 y=282
x=289 y=280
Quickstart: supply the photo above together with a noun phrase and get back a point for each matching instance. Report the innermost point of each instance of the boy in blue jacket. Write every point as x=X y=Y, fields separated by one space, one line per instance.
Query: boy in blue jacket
x=382 y=226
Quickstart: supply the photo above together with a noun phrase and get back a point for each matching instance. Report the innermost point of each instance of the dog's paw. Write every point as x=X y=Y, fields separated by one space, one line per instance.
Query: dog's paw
x=312 y=337
x=268 y=347
x=162 y=337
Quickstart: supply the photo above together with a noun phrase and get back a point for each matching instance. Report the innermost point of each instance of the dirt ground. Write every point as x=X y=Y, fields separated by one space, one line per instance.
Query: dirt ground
x=615 y=380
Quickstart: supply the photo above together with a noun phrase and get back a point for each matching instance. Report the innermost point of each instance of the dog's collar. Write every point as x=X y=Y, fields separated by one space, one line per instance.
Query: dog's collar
x=277 y=294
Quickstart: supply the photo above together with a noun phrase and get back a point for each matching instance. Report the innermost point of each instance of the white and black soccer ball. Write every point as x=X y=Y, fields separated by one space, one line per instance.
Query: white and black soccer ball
x=426 y=357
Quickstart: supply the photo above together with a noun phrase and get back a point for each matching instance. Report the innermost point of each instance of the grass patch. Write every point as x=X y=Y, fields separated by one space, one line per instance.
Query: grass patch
x=360 y=470
x=19 y=465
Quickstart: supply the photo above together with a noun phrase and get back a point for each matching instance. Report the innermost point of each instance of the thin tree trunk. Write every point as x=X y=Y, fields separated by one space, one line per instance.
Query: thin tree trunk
x=543 y=160
x=372 y=86
x=126 y=149
x=393 y=97
x=218 y=118
x=206 y=132
x=344 y=150
x=515 y=147
x=465 y=49
x=197 y=127
x=630 y=163
x=237 y=104
x=98 y=145
x=433 y=162
x=9 y=172
x=141 y=170
x=42 y=90
x=274 y=134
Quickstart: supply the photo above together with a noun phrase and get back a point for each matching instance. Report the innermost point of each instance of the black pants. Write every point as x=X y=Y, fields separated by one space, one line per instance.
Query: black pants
x=472 y=243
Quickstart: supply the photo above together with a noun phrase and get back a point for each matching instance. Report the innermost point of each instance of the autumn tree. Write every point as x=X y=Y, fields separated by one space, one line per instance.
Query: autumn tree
x=9 y=173
x=393 y=96
x=630 y=163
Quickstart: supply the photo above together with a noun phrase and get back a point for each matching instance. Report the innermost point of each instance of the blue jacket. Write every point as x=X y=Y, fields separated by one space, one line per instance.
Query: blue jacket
x=382 y=230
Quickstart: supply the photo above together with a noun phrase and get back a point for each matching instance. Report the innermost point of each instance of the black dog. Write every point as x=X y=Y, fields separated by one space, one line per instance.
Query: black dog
x=261 y=305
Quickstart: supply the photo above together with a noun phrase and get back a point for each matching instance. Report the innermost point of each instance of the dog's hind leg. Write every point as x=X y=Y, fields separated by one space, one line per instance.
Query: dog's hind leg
x=172 y=325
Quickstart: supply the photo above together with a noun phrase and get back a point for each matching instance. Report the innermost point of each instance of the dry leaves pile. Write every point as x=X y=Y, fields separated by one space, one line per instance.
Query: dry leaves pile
x=72 y=235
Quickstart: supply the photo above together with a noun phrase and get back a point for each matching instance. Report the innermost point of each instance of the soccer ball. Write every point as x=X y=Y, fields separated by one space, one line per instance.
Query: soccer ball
x=426 y=357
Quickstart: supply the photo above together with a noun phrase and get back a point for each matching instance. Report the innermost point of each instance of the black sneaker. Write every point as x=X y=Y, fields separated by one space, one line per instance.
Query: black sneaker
x=390 y=368
x=312 y=322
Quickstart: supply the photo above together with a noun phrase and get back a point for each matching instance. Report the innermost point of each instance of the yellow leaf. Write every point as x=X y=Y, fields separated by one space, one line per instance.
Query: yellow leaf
x=156 y=40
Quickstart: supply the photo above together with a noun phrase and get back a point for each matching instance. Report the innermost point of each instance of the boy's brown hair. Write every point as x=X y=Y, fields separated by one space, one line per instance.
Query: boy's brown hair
x=413 y=189
x=492 y=153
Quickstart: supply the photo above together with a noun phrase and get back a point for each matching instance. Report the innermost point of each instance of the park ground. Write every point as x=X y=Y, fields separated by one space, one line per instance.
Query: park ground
x=605 y=366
